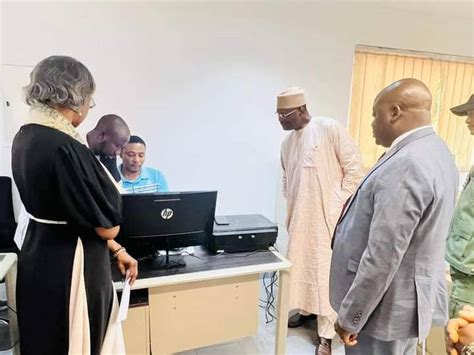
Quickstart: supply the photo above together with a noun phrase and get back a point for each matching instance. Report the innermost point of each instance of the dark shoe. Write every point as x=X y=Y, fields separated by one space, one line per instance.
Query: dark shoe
x=323 y=347
x=297 y=320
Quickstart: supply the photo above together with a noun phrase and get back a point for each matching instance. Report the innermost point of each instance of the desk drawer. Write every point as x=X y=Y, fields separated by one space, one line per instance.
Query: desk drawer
x=198 y=314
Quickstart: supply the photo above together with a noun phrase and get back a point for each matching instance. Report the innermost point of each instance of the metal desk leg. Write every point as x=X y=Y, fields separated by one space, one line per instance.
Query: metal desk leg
x=10 y=283
x=282 y=311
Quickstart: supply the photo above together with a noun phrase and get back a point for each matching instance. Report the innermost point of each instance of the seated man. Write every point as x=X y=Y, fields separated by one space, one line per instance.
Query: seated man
x=137 y=178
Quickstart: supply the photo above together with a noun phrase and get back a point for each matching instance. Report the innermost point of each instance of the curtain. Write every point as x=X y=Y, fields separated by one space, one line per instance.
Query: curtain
x=450 y=80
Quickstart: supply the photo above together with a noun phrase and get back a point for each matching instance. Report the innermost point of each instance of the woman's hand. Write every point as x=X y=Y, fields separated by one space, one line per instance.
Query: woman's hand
x=128 y=266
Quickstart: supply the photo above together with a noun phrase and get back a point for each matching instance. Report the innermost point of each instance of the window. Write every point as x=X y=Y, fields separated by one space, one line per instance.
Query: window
x=450 y=79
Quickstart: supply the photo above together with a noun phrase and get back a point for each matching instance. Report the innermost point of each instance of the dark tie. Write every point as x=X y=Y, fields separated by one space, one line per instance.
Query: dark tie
x=339 y=219
x=111 y=164
x=381 y=156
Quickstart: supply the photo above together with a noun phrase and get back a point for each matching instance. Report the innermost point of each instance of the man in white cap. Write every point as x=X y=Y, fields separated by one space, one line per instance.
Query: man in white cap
x=321 y=168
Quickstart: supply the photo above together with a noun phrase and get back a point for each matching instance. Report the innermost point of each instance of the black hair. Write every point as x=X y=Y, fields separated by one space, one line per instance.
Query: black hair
x=136 y=139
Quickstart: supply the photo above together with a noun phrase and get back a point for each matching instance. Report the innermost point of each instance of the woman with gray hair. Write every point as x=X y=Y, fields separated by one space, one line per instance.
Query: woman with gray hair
x=65 y=297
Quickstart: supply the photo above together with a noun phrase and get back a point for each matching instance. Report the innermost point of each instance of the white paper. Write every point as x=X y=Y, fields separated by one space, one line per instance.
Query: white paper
x=23 y=221
x=125 y=301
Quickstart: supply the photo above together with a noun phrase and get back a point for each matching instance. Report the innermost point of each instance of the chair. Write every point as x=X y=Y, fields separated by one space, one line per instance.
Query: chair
x=7 y=245
x=7 y=217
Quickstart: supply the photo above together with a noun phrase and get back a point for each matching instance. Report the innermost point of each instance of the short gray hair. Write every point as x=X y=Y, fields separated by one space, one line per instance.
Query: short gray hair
x=60 y=81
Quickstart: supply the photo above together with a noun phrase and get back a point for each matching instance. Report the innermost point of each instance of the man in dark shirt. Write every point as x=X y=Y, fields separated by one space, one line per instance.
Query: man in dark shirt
x=107 y=139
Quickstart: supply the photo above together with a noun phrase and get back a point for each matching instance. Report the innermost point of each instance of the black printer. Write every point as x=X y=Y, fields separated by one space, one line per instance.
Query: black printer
x=241 y=233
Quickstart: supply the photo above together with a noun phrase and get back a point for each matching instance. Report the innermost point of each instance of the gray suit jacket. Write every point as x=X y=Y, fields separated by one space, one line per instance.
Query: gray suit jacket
x=387 y=271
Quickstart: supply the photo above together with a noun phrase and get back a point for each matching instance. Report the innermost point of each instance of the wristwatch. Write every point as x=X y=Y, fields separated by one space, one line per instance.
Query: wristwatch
x=468 y=349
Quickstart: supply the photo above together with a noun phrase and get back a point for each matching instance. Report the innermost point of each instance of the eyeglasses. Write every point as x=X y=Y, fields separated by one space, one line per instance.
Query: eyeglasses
x=285 y=115
x=92 y=103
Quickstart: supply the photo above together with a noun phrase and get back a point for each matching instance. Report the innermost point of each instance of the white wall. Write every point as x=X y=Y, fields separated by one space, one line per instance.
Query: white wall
x=198 y=80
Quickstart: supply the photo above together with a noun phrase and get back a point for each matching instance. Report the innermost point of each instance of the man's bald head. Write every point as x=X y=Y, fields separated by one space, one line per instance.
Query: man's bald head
x=411 y=95
x=109 y=136
x=400 y=107
x=111 y=122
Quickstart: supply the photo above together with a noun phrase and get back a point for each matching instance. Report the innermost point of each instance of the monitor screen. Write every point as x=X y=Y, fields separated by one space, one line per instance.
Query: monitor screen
x=166 y=220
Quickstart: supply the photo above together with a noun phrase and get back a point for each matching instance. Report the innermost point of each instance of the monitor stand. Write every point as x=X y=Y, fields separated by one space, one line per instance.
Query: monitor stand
x=167 y=261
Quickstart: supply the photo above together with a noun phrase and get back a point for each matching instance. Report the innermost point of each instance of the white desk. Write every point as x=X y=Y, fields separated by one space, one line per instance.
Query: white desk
x=207 y=302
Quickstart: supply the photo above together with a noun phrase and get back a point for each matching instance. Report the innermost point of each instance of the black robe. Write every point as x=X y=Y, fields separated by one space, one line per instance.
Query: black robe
x=59 y=179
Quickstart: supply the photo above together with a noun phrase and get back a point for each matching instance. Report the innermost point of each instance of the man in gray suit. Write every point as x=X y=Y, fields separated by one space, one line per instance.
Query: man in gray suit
x=387 y=270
